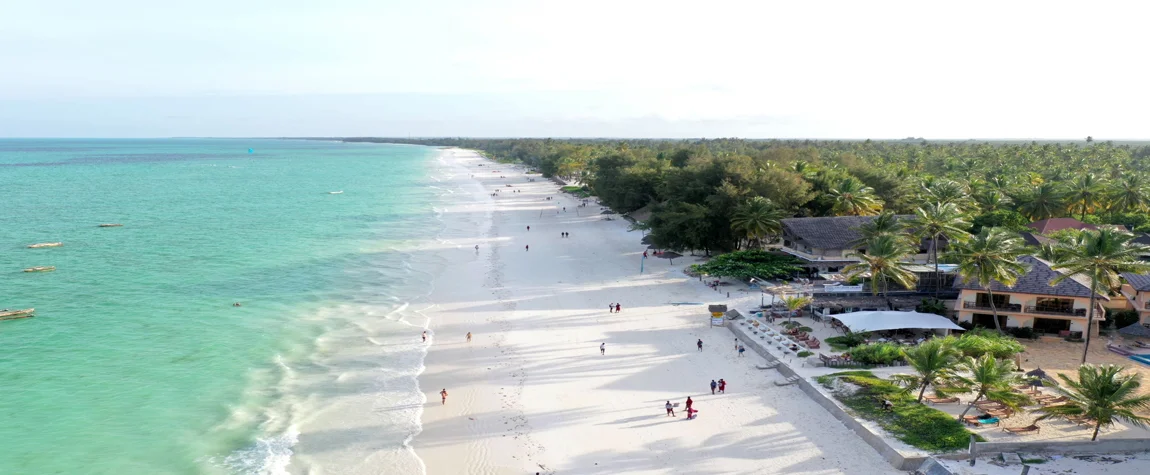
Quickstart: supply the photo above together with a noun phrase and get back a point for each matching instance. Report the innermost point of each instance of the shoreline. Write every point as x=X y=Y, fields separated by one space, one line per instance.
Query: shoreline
x=531 y=393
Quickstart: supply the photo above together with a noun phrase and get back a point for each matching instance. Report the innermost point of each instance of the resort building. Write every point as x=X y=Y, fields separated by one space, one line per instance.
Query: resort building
x=1033 y=301
x=1047 y=226
x=1137 y=292
x=824 y=245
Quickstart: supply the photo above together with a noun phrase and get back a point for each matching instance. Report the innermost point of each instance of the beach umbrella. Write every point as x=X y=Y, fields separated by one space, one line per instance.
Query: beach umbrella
x=1038 y=373
x=670 y=256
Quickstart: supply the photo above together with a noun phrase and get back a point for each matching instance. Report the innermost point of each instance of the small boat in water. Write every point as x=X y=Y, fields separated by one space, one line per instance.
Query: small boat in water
x=335 y=192
x=40 y=269
x=45 y=244
x=14 y=314
x=111 y=225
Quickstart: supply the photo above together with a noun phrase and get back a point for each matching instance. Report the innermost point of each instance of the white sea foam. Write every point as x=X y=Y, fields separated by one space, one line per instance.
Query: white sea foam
x=268 y=456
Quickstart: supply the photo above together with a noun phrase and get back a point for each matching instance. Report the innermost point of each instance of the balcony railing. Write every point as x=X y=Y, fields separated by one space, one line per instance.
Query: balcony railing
x=1070 y=312
x=1019 y=308
x=1010 y=307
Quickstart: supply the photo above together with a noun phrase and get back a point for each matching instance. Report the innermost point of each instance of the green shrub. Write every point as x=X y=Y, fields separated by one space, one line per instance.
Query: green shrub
x=791 y=324
x=876 y=353
x=847 y=341
x=744 y=265
x=916 y=424
x=806 y=329
x=804 y=354
x=980 y=341
x=1123 y=318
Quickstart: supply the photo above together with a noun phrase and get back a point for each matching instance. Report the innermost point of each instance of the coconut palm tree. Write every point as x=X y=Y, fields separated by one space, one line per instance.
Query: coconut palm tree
x=1130 y=194
x=1042 y=201
x=989 y=257
x=934 y=362
x=990 y=199
x=1101 y=255
x=1085 y=195
x=884 y=224
x=852 y=198
x=988 y=377
x=939 y=220
x=757 y=219
x=1103 y=394
x=884 y=259
x=796 y=302
x=945 y=191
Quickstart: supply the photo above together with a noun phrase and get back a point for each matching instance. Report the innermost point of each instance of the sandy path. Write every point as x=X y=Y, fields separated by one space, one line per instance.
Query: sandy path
x=532 y=393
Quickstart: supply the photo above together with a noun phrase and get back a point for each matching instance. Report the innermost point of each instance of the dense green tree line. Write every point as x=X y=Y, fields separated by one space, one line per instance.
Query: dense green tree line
x=723 y=194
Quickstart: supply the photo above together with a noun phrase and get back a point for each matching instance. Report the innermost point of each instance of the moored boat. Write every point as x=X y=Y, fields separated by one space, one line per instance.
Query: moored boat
x=111 y=225
x=40 y=269
x=45 y=244
x=14 y=314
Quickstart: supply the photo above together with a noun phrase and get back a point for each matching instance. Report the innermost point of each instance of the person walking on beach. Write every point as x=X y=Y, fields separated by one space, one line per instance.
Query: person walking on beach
x=741 y=350
x=528 y=228
x=611 y=307
x=736 y=344
x=602 y=348
x=425 y=337
x=689 y=402
x=469 y=337
x=670 y=409
x=618 y=308
x=722 y=386
x=699 y=344
x=443 y=394
x=527 y=248
x=713 y=386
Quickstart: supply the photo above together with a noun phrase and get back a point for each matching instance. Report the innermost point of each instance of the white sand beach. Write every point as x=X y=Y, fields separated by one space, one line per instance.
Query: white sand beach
x=532 y=393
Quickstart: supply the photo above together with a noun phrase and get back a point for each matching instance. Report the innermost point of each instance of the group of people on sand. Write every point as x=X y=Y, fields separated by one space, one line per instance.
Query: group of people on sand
x=691 y=411
x=614 y=307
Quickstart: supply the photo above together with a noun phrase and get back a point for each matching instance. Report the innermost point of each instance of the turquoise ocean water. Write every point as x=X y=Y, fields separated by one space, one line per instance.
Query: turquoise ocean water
x=136 y=361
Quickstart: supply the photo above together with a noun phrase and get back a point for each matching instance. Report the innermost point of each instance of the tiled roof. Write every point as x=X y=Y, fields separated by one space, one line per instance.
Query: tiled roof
x=1037 y=282
x=831 y=232
x=1136 y=330
x=1140 y=282
x=1048 y=226
x=1033 y=239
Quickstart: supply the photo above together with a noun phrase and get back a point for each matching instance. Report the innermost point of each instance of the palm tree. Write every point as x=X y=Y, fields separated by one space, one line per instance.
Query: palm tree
x=1101 y=255
x=989 y=377
x=1102 y=394
x=939 y=220
x=757 y=219
x=1041 y=202
x=1130 y=194
x=796 y=302
x=990 y=257
x=1086 y=195
x=884 y=258
x=852 y=198
x=934 y=361
x=945 y=191
x=990 y=199
x=885 y=224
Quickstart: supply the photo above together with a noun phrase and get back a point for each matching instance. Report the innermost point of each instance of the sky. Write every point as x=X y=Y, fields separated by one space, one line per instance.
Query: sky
x=587 y=68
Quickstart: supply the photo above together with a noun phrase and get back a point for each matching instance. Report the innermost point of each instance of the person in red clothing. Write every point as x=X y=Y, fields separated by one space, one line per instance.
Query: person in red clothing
x=689 y=402
x=722 y=386
x=618 y=308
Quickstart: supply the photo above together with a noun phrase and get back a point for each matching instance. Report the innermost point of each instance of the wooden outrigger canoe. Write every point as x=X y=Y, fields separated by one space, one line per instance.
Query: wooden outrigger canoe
x=45 y=244
x=14 y=314
x=40 y=269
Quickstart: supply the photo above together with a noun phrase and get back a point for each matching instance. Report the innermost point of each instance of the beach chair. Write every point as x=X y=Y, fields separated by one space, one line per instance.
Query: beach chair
x=1057 y=400
x=978 y=421
x=1003 y=413
x=813 y=344
x=1022 y=430
x=940 y=400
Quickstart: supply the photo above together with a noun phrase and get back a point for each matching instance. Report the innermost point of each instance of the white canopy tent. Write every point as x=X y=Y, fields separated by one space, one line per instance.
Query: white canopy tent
x=893 y=320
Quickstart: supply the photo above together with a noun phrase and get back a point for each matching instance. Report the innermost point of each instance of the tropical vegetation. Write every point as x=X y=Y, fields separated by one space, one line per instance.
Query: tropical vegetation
x=1101 y=394
x=746 y=265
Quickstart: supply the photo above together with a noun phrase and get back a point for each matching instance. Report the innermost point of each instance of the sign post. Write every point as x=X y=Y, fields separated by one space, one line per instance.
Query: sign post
x=717 y=312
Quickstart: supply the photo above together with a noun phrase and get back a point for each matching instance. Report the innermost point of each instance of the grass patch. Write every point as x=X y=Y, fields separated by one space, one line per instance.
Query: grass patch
x=579 y=191
x=916 y=424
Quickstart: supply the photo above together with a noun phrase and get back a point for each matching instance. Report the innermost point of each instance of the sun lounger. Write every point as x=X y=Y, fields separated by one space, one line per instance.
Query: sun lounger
x=991 y=404
x=978 y=421
x=1003 y=413
x=940 y=400
x=814 y=344
x=1047 y=402
x=1021 y=430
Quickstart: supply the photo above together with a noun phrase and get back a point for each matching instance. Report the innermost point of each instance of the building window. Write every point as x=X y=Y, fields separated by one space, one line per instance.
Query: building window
x=1046 y=304
x=1000 y=301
